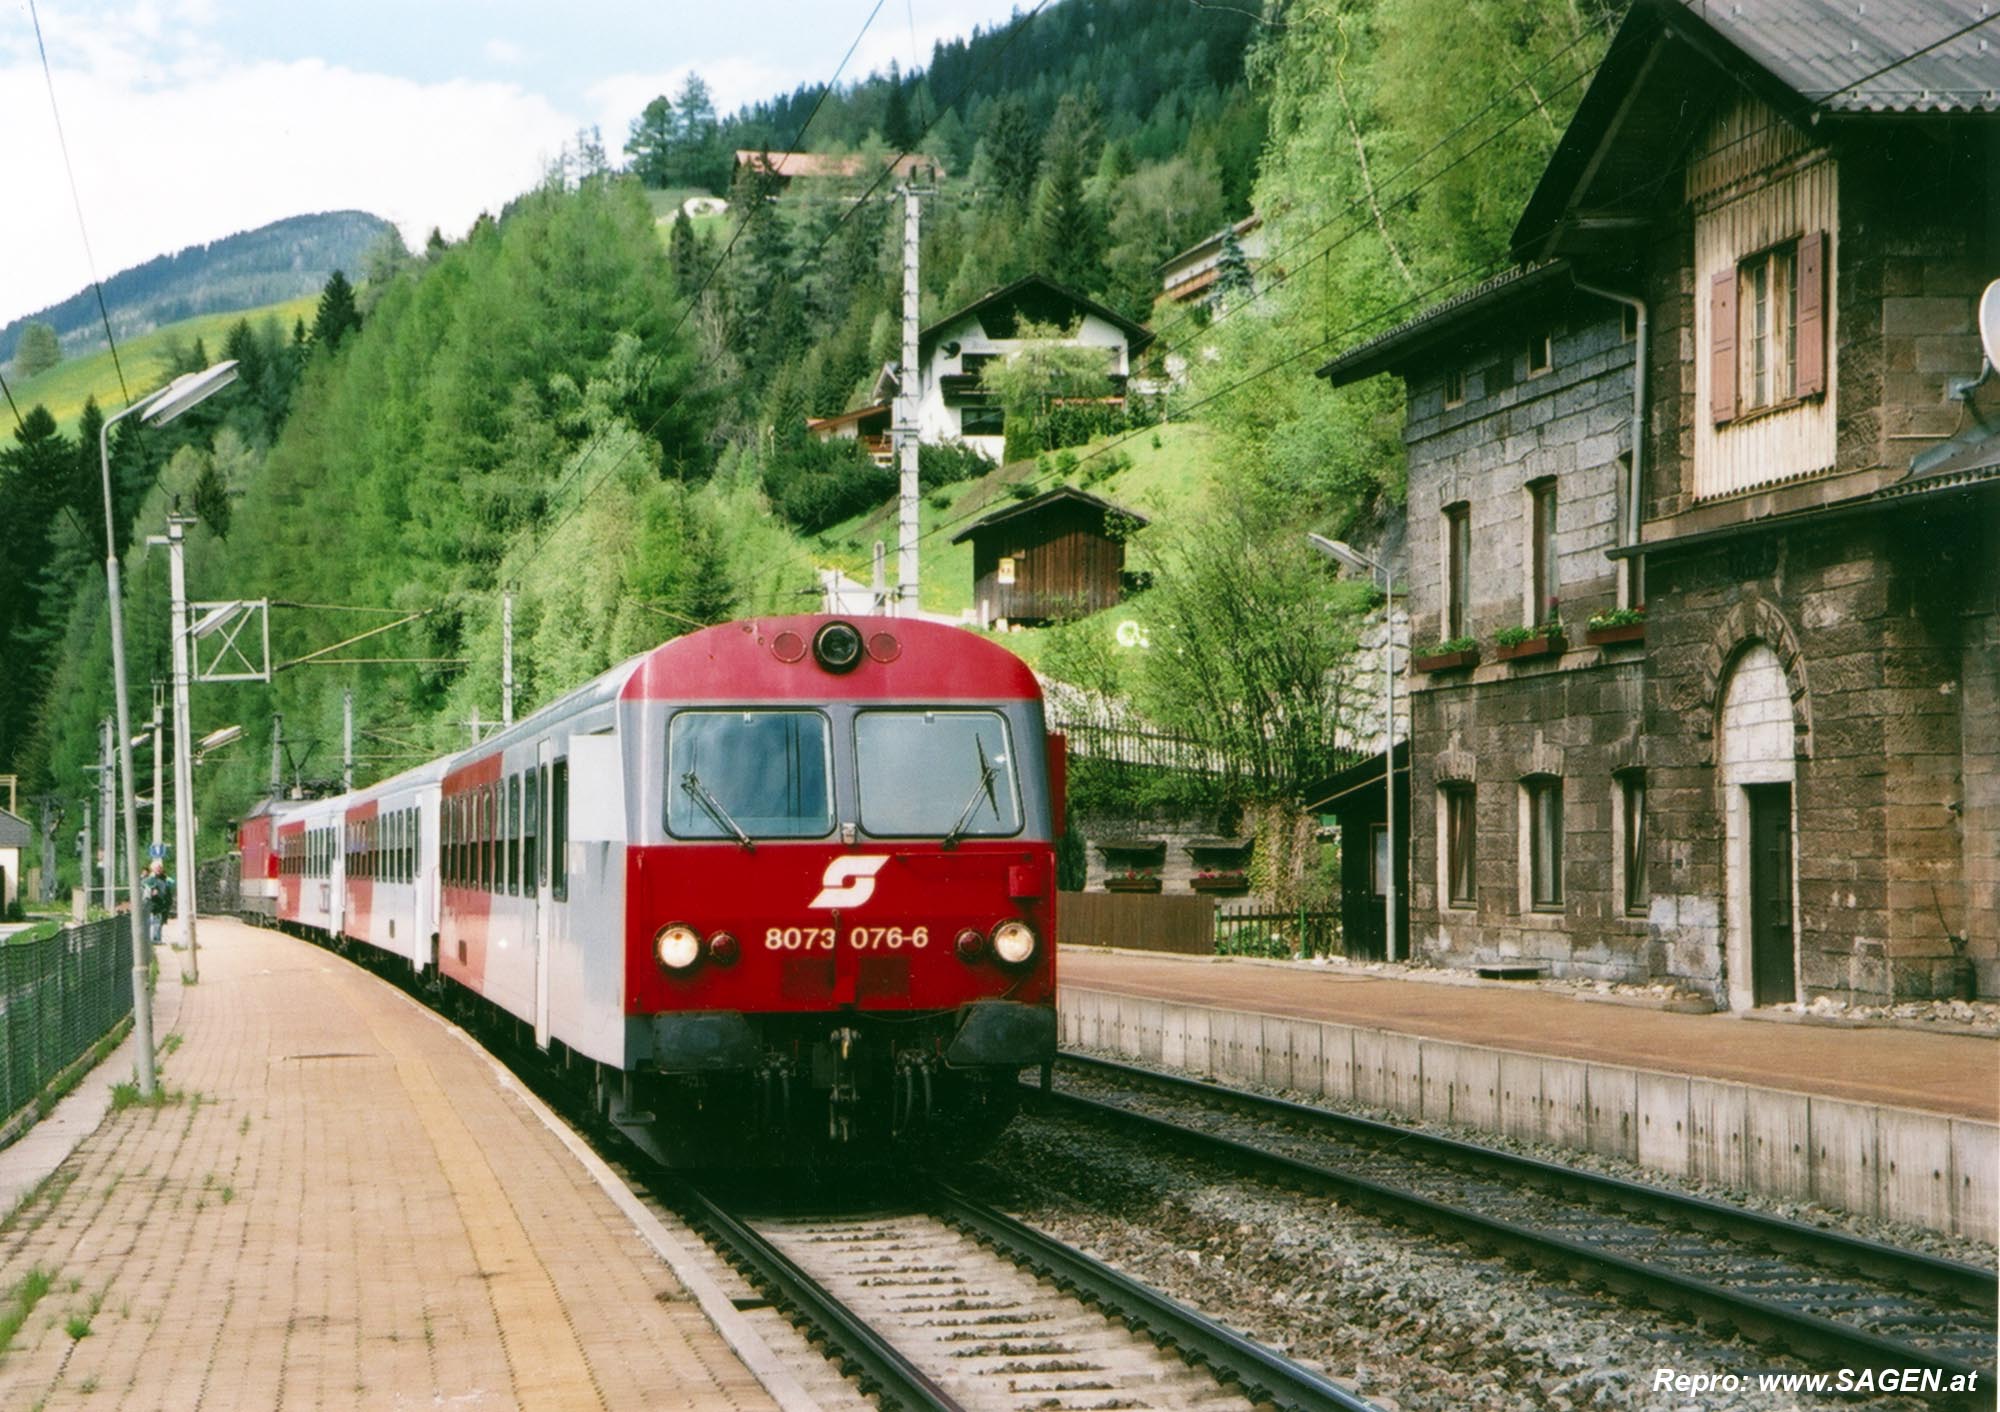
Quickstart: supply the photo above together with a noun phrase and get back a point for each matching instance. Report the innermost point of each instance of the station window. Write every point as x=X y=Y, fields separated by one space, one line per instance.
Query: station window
x=1454 y=387
x=1457 y=568
x=1542 y=575
x=1541 y=352
x=1630 y=799
x=1543 y=798
x=1459 y=853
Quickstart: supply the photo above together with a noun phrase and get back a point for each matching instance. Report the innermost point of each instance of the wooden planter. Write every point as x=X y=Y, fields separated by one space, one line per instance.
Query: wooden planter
x=1448 y=661
x=1131 y=884
x=1221 y=883
x=1547 y=644
x=1624 y=632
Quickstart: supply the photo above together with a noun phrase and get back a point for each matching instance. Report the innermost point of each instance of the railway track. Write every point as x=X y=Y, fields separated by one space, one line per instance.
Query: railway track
x=1827 y=1296
x=950 y=1304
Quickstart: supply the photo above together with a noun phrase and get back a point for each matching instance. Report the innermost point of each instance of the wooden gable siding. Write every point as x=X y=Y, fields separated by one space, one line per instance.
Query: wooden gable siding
x=1063 y=565
x=1753 y=183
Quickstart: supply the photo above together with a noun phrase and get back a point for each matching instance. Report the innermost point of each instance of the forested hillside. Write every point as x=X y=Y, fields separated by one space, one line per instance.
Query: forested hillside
x=282 y=260
x=605 y=417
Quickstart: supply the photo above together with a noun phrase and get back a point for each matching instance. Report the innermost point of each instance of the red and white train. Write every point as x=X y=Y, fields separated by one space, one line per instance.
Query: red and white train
x=784 y=879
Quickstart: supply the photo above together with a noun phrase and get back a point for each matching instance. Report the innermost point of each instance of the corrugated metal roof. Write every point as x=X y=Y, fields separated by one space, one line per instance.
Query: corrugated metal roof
x=1871 y=56
x=1378 y=354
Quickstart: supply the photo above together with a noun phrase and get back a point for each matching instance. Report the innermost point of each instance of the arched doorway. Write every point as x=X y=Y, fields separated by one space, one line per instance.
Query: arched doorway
x=1759 y=770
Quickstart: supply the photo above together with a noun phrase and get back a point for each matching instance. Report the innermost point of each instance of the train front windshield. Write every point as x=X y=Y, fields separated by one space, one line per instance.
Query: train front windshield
x=752 y=774
x=936 y=774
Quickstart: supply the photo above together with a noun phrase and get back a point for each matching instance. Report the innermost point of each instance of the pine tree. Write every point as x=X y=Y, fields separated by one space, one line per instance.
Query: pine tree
x=651 y=144
x=897 y=129
x=1012 y=149
x=681 y=254
x=338 y=316
x=1233 y=279
x=1069 y=228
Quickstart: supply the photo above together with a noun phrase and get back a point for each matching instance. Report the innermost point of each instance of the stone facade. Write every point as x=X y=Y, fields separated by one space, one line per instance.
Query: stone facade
x=1820 y=644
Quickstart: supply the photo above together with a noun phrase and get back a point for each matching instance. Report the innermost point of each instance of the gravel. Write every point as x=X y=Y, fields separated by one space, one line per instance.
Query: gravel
x=1410 y=1321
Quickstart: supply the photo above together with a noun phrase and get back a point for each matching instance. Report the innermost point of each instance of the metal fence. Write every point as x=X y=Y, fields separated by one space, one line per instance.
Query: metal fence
x=1255 y=931
x=59 y=996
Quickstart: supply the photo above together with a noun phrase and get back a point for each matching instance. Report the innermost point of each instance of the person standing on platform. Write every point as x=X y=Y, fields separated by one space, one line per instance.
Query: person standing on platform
x=159 y=892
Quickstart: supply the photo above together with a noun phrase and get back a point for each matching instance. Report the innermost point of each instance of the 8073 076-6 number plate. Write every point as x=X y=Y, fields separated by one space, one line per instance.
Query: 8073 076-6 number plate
x=856 y=938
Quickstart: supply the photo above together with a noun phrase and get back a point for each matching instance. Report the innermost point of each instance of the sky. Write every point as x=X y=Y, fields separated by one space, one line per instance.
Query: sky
x=188 y=120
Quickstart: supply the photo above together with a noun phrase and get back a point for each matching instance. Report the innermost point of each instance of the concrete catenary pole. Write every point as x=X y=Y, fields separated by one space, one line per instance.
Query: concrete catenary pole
x=277 y=755
x=183 y=742
x=347 y=740
x=107 y=805
x=506 y=661
x=909 y=393
x=159 y=763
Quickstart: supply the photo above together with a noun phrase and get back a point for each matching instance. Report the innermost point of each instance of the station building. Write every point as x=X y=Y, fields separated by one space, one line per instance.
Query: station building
x=1704 y=526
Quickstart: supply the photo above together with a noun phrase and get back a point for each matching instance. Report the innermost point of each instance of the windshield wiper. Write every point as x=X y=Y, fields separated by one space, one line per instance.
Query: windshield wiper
x=699 y=792
x=987 y=774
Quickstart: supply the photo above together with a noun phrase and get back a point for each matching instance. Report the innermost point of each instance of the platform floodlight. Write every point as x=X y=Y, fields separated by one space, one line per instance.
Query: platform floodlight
x=185 y=391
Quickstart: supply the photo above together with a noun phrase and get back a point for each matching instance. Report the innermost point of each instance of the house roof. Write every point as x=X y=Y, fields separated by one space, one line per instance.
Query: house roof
x=1210 y=242
x=14 y=831
x=1450 y=321
x=1042 y=502
x=1040 y=298
x=841 y=419
x=828 y=164
x=1352 y=785
x=1658 y=87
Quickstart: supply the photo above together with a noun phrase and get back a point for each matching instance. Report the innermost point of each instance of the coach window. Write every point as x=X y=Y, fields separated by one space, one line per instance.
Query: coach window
x=531 y=834
x=929 y=774
x=765 y=773
x=559 y=829
x=489 y=847
x=513 y=847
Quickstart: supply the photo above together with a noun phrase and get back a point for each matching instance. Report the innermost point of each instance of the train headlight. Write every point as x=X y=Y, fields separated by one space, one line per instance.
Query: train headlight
x=837 y=647
x=722 y=949
x=1014 y=942
x=678 y=946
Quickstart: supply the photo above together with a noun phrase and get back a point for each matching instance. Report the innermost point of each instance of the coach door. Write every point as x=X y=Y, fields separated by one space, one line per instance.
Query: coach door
x=538 y=853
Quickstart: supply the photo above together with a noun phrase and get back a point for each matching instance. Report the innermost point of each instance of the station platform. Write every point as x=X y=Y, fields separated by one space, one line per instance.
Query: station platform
x=1953 y=1074
x=344 y=1203
x=1884 y=1122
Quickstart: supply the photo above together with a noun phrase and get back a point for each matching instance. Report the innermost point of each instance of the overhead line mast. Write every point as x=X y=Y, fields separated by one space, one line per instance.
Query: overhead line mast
x=909 y=392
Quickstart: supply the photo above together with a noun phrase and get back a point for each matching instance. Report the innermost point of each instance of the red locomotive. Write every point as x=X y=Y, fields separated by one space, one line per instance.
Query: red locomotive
x=783 y=879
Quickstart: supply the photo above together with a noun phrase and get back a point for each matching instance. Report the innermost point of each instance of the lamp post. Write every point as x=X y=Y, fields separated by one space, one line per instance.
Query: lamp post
x=157 y=410
x=1352 y=558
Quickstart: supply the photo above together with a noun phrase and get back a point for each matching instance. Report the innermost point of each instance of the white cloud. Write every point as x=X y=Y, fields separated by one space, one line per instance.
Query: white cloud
x=165 y=157
x=505 y=52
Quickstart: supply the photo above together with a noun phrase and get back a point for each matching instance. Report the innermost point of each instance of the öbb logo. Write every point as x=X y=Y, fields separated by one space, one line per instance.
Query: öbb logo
x=849 y=882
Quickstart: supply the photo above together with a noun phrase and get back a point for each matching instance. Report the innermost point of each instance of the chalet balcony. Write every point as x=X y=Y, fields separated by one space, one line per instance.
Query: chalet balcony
x=963 y=389
x=881 y=449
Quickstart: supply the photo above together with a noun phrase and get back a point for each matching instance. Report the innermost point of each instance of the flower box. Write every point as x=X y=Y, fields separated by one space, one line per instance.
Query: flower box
x=1138 y=884
x=1447 y=661
x=1220 y=882
x=1549 y=643
x=1616 y=632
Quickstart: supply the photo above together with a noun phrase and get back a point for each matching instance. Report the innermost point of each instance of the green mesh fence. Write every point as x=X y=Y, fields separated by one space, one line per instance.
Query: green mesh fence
x=59 y=996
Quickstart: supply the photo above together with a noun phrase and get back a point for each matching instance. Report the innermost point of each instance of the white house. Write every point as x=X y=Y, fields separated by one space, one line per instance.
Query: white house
x=1191 y=276
x=954 y=349
x=15 y=836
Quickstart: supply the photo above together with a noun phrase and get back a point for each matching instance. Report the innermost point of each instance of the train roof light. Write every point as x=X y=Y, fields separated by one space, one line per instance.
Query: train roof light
x=837 y=647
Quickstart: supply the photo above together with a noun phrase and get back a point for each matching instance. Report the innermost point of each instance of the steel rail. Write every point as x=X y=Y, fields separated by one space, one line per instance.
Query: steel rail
x=1263 y=1375
x=1970 y=1285
x=1806 y=1334
x=874 y=1364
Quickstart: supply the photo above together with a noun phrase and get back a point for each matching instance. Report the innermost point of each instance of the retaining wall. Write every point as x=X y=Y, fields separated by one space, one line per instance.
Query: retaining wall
x=1901 y=1164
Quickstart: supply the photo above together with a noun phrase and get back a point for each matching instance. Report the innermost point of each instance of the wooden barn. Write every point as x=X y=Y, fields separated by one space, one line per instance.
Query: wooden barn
x=1059 y=555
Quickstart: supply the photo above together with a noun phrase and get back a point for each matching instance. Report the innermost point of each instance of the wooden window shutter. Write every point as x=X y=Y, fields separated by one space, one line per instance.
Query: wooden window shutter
x=1722 y=347
x=1810 y=336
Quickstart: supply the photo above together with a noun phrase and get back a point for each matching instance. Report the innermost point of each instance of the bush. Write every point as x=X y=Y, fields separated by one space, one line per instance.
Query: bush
x=814 y=484
x=949 y=462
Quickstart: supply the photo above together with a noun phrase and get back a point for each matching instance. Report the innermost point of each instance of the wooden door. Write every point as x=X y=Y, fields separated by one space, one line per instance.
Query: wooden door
x=1771 y=944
